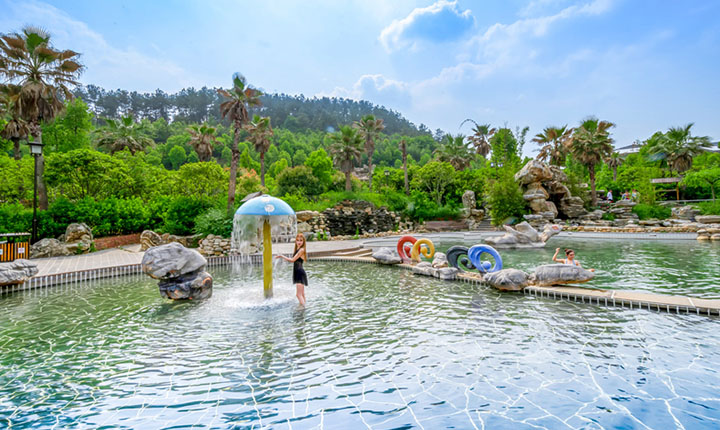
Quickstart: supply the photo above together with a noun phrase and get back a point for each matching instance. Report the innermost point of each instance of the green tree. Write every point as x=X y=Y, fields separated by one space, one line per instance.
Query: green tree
x=121 y=134
x=480 y=139
x=454 y=151
x=369 y=129
x=505 y=150
x=192 y=157
x=15 y=128
x=346 y=149
x=298 y=180
x=322 y=167
x=235 y=108
x=435 y=178
x=403 y=149
x=42 y=75
x=277 y=167
x=177 y=156
x=504 y=197
x=202 y=180
x=709 y=177
x=614 y=161
x=591 y=144
x=202 y=139
x=71 y=129
x=678 y=147
x=554 y=144
x=86 y=173
x=260 y=136
x=299 y=157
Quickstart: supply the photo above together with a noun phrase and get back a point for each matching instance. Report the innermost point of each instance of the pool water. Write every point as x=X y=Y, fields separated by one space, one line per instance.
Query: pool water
x=376 y=347
x=678 y=267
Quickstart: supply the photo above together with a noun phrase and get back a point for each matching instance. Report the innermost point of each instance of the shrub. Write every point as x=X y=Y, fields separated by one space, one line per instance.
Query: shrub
x=215 y=221
x=644 y=211
x=14 y=218
x=421 y=208
x=181 y=214
x=299 y=180
x=608 y=216
x=710 y=208
x=505 y=199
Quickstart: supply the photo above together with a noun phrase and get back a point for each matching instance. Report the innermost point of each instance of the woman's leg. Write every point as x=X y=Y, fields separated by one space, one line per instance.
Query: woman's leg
x=300 y=293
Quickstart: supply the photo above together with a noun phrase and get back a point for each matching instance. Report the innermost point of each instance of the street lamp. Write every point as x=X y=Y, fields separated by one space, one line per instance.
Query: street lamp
x=36 y=151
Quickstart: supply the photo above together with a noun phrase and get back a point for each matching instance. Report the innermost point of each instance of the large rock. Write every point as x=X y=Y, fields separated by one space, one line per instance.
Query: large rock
x=439 y=260
x=559 y=274
x=523 y=236
x=685 y=212
x=533 y=171
x=572 y=207
x=192 y=286
x=507 y=279
x=17 y=272
x=78 y=232
x=46 y=248
x=387 y=256
x=536 y=191
x=708 y=219
x=149 y=239
x=304 y=216
x=171 y=261
x=468 y=199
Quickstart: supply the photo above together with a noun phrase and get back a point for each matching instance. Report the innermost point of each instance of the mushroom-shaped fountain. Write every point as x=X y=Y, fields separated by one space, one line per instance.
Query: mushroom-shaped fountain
x=265 y=209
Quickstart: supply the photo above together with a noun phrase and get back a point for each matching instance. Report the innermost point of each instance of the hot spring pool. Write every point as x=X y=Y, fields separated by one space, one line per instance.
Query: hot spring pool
x=376 y=347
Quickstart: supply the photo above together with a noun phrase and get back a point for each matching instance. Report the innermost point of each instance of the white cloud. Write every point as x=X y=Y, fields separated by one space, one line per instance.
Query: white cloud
x=441 y=21
x=106 y=65
x=377 y=89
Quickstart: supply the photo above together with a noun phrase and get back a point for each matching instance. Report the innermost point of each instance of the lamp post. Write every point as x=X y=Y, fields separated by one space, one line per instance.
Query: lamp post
x=36 y=151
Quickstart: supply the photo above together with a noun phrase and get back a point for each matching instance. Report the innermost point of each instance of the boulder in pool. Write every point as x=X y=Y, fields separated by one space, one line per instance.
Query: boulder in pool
x=181 y=272
x=507 y=279
x=17 y=272
x=171 y=261
x=387 y=256
x=559 y=274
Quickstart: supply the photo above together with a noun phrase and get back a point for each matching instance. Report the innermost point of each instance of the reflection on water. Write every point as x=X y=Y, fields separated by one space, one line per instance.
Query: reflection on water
x=678 y=267
x=375 y=347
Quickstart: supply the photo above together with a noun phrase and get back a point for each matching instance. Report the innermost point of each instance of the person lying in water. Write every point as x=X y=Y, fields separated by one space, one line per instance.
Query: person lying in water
x=570 y=254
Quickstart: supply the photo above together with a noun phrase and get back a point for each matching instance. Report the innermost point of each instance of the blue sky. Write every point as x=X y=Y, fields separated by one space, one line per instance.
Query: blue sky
x=645 y=65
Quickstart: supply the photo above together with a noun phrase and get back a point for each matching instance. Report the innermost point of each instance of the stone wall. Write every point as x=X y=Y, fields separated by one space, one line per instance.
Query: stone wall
x=215 y=245
x=350 y=218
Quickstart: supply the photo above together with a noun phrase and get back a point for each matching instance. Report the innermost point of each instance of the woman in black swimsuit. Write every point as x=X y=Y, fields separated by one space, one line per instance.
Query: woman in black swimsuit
x=299 y=275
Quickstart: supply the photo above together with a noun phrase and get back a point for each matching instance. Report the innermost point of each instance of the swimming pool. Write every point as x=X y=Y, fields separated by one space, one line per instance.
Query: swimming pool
x=376 y=347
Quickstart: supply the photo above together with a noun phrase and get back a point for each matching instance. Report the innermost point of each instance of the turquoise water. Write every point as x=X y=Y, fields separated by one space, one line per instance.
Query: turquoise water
x=376 y=347
x=678 y=267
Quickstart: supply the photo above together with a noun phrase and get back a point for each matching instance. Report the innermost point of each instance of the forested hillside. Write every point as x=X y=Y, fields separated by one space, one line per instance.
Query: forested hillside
x=294 y=113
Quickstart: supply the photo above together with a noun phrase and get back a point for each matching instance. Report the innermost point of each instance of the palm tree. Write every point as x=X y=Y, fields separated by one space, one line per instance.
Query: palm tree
x=346 y=149
x=121 y=134
x=455 y=151
x=554 y=144
x=238 y=99
x=480 y=138
x=678 y=147
x=591 y=144
x=260 y=134
x=202 y=138
x=614 y=161
x=369 y=129
x=16 y=128
x=42 y=74
x=403 y=149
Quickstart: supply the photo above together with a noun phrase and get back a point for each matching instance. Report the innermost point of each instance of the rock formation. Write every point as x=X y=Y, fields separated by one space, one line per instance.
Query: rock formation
x=524 y=236
x=17 y=272
x=387 y=256
x=545 y=191
x=559 y=274
x=507 y=279
x=78 y=239
x=149 y=239
x=180 y=271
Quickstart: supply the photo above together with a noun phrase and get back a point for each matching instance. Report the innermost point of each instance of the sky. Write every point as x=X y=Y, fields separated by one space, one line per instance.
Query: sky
x=645 y=65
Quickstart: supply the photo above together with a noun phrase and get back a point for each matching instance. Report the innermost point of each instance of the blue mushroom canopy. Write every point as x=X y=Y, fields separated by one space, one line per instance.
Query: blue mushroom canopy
x=265 y=205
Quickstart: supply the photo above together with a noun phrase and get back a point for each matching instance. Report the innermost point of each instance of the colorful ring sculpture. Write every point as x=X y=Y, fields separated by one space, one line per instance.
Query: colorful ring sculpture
x=476 y=251
x=468 y=259
x=424 y=247
x=410 y=249
x=404 y=246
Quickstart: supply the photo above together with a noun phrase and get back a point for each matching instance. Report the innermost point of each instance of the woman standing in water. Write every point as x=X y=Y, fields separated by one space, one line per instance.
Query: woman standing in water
x=299 y=276
x=570 y=254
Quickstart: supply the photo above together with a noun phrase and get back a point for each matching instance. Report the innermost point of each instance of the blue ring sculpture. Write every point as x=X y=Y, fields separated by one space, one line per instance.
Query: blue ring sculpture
x=475 y=252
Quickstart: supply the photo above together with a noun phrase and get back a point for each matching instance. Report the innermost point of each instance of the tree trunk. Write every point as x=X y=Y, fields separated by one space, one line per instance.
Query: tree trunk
x=370 y=168
x=262 y=169
x=407 y=187
x=233 y=171
x=593 y=195
x=348 y=182
x=614 y=173
x=16 y=147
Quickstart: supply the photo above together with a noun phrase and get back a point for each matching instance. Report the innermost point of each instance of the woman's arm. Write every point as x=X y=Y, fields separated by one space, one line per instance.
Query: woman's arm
x=300 y=253
x=555 y=256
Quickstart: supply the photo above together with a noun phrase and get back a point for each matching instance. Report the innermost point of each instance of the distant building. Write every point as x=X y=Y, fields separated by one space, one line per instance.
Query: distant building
x=630 y=149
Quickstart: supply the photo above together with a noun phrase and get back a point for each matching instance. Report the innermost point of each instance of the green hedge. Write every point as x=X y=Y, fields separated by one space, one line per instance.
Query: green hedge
x=710 y=208
x=644 y=211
